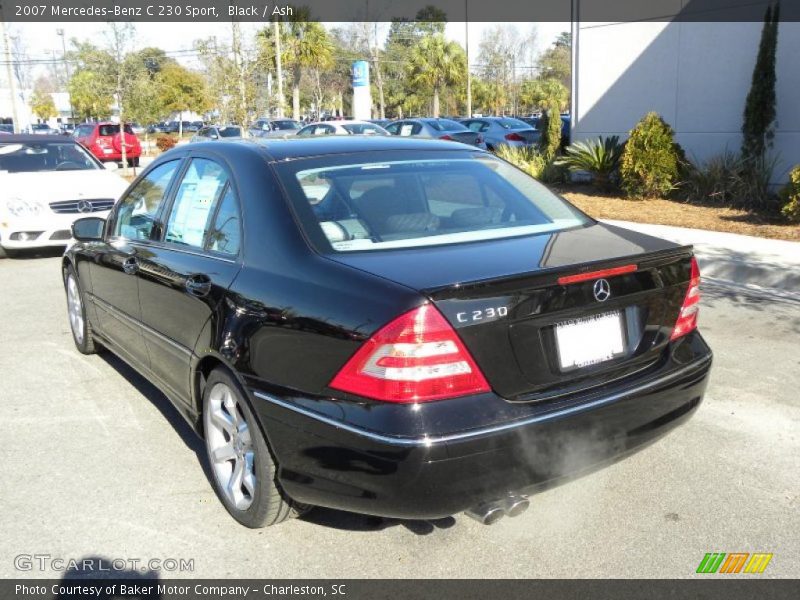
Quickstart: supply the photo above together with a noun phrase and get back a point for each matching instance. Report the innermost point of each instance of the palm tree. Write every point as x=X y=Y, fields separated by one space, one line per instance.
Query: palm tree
x=306 y=45
x=436 y=63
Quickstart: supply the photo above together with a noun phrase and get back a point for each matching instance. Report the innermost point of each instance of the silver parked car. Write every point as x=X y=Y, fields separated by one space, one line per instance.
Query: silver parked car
x=503 y=131
x=436 y=129
x=274 y=128
x=217 y=132
x=345 y=127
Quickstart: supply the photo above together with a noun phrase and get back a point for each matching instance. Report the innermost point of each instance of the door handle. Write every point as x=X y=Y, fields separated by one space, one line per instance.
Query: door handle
x=198 y=285
x=130 y=265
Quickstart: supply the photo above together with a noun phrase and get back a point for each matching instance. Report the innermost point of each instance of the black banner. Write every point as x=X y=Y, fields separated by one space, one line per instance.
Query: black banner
x=728 y=588
x=388 y=10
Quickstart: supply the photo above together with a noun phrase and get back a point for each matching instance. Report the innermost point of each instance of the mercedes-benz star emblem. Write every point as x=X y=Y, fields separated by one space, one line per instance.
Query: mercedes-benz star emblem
x=84 y=206
x=602 y=290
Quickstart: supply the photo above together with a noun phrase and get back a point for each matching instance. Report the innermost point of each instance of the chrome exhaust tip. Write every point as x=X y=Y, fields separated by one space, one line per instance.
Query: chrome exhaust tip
x=487 y=513
x=515 y=505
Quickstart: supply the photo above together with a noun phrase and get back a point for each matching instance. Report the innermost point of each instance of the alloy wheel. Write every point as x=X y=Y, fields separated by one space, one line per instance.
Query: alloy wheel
x=230 y=446
x=75 y=309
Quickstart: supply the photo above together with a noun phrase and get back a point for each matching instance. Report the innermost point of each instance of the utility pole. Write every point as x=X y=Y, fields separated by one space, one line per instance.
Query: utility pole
x=12 y=87
x=469 y=77
x=60 y=32
x=276 y=25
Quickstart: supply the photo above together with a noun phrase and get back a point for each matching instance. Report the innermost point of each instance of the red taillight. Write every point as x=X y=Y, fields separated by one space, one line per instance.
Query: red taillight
x=514 y=137
x=445 y=137
x=416 y=358
x=567 y=279
x=687 y=319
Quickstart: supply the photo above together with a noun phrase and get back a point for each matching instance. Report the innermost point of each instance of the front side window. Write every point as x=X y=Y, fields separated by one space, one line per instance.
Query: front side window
x=136 y=214
x=194 y=204
x=371 y=205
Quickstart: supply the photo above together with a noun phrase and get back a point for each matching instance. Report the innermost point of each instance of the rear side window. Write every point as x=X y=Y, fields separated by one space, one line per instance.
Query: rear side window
x=421 y=202
x=137 y=212
x=194 y=204
x=226 y=232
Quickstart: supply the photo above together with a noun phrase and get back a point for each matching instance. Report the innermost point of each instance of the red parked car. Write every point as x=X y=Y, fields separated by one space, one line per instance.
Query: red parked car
x=105 y=142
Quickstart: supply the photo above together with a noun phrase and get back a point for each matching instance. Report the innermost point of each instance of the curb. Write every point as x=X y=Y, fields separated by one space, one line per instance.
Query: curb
x=755 y=263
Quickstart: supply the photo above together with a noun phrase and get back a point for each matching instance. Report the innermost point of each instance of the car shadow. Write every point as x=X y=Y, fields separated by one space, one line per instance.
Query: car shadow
x=347 y=521
x=97 y=568
x=324 y=517
x=165 y=407
x=29 y=254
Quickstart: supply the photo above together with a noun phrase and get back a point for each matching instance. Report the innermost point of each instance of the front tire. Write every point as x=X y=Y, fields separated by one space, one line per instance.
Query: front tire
x=79 y=325
x=244 y=472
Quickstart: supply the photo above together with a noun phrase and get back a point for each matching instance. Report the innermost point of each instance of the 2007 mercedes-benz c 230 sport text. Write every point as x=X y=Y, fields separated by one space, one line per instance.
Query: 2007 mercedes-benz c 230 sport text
x=397 y=327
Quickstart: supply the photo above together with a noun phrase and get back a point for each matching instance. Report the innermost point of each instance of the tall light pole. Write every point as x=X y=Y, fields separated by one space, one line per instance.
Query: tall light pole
x=12 y=87
x=60 y=33
x=469 y=77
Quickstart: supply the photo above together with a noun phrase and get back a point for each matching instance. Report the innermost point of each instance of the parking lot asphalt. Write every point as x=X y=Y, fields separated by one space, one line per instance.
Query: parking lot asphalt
x=95 y=463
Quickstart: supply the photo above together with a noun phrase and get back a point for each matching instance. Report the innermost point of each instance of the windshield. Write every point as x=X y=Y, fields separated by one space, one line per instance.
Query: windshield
x=46 y=156
x=421 y=202
x=228 y=132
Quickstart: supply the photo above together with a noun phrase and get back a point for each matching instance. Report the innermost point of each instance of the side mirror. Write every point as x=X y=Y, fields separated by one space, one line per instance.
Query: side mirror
x=265 y=127
x=110 y=166
x=88 y=229
x=213 y=136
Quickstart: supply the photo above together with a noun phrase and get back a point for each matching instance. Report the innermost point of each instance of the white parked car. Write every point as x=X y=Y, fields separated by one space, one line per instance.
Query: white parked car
x=46 y=183
x=350 y=127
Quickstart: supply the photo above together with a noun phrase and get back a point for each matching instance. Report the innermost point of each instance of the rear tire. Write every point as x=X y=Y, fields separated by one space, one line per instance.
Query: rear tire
x=244 y=473
x=79 y=325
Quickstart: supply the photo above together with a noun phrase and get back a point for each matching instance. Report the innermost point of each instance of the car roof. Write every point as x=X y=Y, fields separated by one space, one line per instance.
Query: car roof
x=278 y=149
x=39 y=139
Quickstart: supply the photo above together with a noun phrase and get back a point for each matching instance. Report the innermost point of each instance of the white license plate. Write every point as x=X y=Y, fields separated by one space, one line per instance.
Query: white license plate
x=584 y=342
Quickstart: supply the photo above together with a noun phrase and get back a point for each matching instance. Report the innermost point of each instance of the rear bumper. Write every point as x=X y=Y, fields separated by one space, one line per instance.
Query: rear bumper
x=329 y=461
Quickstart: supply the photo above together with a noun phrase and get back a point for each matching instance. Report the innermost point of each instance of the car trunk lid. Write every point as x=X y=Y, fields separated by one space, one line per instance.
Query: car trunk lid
x=518 y=312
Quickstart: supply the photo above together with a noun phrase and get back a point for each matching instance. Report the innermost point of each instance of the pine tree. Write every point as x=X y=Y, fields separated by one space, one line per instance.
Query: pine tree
x=759 y=109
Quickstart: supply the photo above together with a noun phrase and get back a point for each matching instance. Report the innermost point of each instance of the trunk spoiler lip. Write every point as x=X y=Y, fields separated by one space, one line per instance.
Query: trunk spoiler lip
x=547 y=277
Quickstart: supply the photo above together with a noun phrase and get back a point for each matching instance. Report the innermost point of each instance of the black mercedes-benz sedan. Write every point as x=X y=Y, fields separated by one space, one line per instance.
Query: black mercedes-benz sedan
x=397 y=327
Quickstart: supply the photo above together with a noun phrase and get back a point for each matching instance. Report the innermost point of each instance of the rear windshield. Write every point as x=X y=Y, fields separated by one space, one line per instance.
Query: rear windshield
x=230 y=132
x=420 y=202
x=105 y=130
x=363 y=128
x=285 y=125
x=513 y=124
x=446 y=125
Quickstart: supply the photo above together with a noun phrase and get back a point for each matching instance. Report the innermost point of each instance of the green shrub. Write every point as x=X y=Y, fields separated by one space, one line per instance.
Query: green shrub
x=652 y=161
x=531 y=160
x=753 y=191
x=790 y=196
x=600 y=157
x=165 y=142
x=527 y=158
x=716 y=181
x=550 y=128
